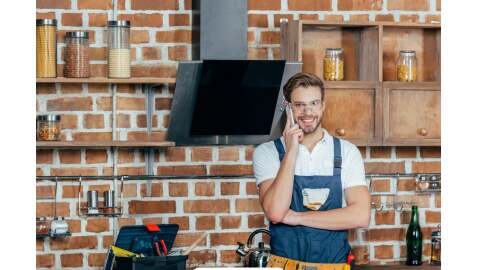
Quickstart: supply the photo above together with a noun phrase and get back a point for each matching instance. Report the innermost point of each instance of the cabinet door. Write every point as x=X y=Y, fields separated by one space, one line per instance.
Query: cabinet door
x=412 y=113
x=352 y=112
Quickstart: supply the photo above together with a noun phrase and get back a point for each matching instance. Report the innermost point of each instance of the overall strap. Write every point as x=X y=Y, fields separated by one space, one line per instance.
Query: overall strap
x=280 y=148
x=337 y=157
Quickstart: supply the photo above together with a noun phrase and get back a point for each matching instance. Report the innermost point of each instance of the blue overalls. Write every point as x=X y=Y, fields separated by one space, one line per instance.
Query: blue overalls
x=309 y=244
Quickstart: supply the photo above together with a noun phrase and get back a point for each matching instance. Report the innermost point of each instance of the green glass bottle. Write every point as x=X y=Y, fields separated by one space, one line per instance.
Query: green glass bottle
x=414 y=240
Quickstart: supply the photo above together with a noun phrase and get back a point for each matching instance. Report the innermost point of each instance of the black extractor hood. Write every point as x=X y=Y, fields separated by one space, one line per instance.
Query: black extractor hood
x=223 y=98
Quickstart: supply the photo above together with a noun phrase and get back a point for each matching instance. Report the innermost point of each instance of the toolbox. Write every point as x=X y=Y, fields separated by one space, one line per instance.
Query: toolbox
x=153 y=241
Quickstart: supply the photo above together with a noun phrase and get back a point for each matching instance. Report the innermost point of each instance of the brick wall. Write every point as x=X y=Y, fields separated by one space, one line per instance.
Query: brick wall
x=228 y=209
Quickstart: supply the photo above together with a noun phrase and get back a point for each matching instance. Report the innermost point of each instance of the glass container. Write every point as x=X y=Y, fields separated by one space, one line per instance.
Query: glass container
x=42 y=226
x=77 y=59
x=46 y=48
x=436 y=247
x=119 y=55
x=407 y=66
x=48 y=127
x=334 y=64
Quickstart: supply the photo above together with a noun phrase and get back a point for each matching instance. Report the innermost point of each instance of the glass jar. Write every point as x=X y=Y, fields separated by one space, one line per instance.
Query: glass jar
x=77 y=59
x=119 y=58
x=42 y=226
x=46 y=48
x=59 y=226
x=407 y=66
x=48 y=127
x=436 y=247
x=334 y=64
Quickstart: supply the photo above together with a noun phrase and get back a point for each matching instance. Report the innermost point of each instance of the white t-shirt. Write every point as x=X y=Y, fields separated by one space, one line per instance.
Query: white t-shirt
x=318 y=162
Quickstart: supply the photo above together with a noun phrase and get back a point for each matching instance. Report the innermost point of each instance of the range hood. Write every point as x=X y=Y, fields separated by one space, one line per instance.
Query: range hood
x=222 y=98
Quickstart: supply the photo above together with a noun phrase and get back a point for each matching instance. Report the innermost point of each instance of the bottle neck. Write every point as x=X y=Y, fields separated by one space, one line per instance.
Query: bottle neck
x=414 y=219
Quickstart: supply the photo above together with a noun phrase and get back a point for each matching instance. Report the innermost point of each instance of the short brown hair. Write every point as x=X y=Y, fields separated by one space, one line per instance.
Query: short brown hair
x=302 y=79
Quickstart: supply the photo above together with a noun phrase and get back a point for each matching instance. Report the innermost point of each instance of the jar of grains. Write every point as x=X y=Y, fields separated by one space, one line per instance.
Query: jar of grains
x=334 y=64
x=407 y=66
x=119 y=59
x=77 y=59
x=46 y=48
x=48 y=127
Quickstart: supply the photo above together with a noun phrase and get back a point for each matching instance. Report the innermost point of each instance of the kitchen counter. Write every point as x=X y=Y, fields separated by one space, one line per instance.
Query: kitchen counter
x=396 y=267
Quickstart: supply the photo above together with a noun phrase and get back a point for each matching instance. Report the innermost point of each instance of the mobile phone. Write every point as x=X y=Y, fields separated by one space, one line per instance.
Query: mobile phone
x=291 y=114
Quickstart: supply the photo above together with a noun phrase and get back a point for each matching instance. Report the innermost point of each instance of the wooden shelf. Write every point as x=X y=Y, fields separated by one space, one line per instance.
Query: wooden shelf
x=135 y=80
x=98 y=144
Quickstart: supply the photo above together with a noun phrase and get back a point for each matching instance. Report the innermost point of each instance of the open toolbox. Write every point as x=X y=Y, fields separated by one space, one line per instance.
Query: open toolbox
x=153 y=241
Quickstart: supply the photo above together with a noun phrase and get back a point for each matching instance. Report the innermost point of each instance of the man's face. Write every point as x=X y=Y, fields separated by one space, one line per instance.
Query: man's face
x=308 y=108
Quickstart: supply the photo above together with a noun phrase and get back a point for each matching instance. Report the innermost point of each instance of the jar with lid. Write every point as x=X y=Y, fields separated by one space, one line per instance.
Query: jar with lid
x=48 y=127
x=77 y=59
x=119 y=58
x=42 y=226
x=46 y=48
x=407 y=66
x=334 y=64
x=59 y=226
x=436 y=247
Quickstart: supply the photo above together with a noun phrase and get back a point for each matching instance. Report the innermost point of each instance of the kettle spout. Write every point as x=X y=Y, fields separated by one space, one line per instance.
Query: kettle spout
x=241 y=249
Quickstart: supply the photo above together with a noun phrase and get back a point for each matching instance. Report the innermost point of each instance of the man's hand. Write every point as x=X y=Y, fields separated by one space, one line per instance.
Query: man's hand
x=292 y=135
x=291 y=218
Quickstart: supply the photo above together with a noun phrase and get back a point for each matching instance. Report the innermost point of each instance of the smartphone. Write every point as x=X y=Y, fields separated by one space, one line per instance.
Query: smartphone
x=291 y=114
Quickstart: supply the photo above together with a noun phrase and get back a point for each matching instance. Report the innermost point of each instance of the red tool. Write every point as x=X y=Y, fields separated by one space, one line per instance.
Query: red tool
x=156 y=247
x=351 y=261
x=165 y=249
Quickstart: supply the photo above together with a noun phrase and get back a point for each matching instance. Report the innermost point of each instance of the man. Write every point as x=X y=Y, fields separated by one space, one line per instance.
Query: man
x=311 y=185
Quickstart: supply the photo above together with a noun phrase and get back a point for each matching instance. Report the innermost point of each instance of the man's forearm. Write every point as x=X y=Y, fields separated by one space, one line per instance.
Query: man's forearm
x=350 y=217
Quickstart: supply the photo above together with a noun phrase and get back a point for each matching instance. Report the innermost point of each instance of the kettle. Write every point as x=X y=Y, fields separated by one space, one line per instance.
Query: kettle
x=255 y=257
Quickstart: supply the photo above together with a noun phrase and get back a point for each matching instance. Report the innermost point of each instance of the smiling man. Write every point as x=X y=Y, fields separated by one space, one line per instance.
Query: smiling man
x=311 y=185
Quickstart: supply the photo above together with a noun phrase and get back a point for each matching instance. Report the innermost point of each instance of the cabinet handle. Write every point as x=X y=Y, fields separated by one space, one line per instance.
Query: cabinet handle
x=422 y=132
x=340 y=132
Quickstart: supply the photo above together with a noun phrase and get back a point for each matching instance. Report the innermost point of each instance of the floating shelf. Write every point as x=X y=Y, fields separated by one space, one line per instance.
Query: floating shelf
x=94 y=144
x=134 y=80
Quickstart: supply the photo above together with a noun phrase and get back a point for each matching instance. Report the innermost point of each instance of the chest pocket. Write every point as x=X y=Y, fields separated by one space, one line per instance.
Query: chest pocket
x=314 y=198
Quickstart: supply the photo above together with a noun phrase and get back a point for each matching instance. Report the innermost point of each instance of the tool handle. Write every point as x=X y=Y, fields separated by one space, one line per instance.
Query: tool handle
x=165 y=249
x=195 y=243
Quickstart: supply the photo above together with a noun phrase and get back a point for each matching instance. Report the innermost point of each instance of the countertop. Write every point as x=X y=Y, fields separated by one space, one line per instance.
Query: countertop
x=396 y=267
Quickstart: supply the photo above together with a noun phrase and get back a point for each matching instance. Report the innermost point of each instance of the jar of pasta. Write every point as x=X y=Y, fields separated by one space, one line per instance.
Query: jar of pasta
x=77 y=59
x=407 y=66
x=334 y=64
x=119 y=58
x=48 y=127
x=46 y=48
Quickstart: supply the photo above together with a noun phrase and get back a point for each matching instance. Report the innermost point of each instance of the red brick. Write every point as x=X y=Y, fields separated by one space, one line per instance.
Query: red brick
x=359 y=18
x=155 y=5
x=422 y=200
x=175 y=154
x=71 y=260
x=122 y=120
x=426 y=167
x=384 y=252
x=248 y=205
x=385 y=167
x=432 y=216
x=131 y=104
x=406 y=152
x=178 y=53
x=157 y=220
x=45 y=261
x=143 y=19
x=384 y=18
x=44 y=157
x=40 y=245
x=71 y=88
x=152 y=207
x=249 y=152
x=408 y=5
x=201 y=154
x=132 y=171
x=228 y=153
x=70 y=156
x=433 y=18
x=229 y=256
x=380 y=185
x=166 y=71
x=202 y=257
x=231 y=169
x=178 y=189
x=437 y=200
x=385 y=217
x=182 y=170
x=204 y=189
x=334 y=18
x=151 y=53
x=126 y=222
x=257 y=20
x=277 y=18
x=70 y=191
x=359 y=4
x=125 y=156
x=100 y=188
x=97 y=20
x=263 y=4
x=310 y=5
x=45 y=192
x=438 y=4
x=53 y=4
x=72 y=19
x=39 y=172
x=99 y=4
x=393 y=234
x=406 y=184
x=73 y=171
x=186 y=239
x=107 y=241
x=206 y=206
x=70 y=104
x=48 y=209
x=183 y=222
x=141 y=121
x=74 y=226
x=163 y=104
x=229 y=188
x=409 y=18
x=46 y=88
x=268 y=37
x=230 y=222
x=97 y=225
x=430 y=152
x=205 y=223
x=256 y=221
x=179 y=20
x=93 y=121
x=139 y=36
x=92 y=136
x=156 y=190
x=69 y=121
x=175 y=36
x=218 y=239
x=74 y=242
x=251 y=188
x=361 y=254
x=45 y=15
x=251 y=37
x=313 y=17
x=104 y=103
x=380 y=152
x=130 y=190
x=96 y=259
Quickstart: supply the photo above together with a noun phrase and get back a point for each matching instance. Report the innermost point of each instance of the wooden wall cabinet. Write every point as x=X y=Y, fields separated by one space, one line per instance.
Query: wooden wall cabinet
x=369 y=107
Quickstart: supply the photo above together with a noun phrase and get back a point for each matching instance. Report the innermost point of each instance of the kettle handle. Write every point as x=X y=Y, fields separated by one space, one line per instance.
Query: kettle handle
x=251 y=236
